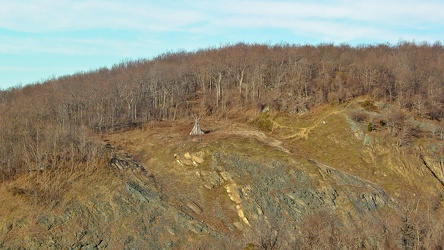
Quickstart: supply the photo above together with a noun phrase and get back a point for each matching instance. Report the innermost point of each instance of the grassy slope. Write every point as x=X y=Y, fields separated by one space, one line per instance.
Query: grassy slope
x=179 y=166
x=323 y=135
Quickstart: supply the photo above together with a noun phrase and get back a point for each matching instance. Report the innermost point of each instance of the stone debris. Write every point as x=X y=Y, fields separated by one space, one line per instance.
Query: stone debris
x=189 y=159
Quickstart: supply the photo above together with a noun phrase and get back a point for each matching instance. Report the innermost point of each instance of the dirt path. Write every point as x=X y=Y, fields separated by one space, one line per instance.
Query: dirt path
x=304 y=131
x=247 y=131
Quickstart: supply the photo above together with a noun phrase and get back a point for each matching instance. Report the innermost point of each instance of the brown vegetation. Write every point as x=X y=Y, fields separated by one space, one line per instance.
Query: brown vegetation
x=43 y=124
x=48 y=130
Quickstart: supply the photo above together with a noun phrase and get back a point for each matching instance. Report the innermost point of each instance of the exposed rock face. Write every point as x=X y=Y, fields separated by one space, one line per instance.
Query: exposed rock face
x=223 y=192
x=123 y=163
x=136 y=214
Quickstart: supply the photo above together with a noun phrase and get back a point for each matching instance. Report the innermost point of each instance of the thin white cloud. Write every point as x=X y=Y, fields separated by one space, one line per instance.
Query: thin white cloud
x=377 y=17
x=61 y=15
x=79 y=29
x=33 y=68
x=76 y=46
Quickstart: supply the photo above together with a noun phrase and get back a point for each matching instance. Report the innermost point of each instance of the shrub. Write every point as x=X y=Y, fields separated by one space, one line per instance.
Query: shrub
x=368 y=105
x=359 y=116
x=263 y=122
x=396 y=120
x=370 y=127
x=436 y=113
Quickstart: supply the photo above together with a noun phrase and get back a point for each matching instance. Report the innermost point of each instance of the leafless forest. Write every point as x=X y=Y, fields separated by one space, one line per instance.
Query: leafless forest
x=51 y=125
x=48 y=124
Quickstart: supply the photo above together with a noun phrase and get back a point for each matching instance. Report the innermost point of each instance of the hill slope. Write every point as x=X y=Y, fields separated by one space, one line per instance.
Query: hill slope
x=327 y=178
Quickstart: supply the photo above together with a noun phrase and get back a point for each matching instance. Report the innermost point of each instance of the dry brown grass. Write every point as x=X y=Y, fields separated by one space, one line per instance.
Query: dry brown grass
x=327 y=138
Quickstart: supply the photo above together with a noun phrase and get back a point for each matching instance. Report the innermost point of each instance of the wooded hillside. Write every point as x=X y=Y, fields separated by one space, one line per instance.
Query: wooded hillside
x=48 y=124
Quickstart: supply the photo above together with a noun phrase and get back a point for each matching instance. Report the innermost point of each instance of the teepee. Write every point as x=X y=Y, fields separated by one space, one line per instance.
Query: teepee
x=196 y=129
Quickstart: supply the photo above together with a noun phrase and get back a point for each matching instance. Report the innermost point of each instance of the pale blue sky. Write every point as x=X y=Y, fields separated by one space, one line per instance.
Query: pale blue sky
x=40 y=39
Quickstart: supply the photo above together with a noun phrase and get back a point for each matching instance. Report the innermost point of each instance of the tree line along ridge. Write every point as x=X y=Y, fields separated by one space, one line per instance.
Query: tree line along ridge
x=48 y=124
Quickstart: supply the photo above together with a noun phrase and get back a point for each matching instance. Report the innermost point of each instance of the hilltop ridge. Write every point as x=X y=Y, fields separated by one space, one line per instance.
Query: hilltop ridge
x=307 y=147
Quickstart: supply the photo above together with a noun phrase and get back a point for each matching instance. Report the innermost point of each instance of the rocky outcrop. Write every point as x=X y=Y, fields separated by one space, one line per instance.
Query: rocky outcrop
x=123 y=163
x=137 y=213
x=222 y=192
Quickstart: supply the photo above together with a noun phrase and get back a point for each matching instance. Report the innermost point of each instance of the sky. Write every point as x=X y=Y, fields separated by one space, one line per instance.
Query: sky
x=43 y=39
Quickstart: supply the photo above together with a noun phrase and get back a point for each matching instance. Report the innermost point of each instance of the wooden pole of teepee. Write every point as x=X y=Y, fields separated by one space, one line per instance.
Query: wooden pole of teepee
x=196 y=129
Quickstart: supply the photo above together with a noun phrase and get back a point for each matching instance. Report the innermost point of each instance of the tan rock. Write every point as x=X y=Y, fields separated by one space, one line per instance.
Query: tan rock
x=238 y=225
x=194 y=207
x=187 y=156
x=241 y=215
x=225 y=175
x=233 y=193
x=197 y=159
